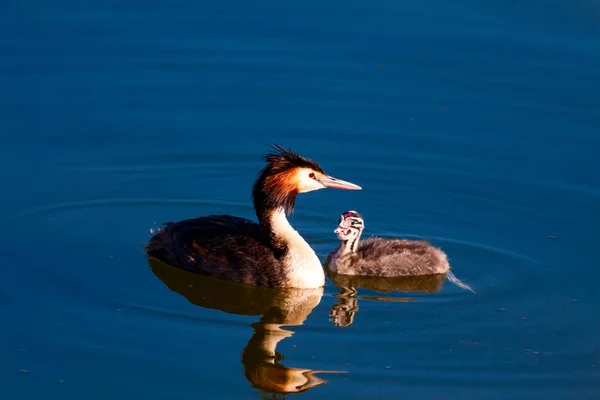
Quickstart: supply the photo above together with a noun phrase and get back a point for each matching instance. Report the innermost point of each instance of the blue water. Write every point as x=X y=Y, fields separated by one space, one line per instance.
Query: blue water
x=471 y=124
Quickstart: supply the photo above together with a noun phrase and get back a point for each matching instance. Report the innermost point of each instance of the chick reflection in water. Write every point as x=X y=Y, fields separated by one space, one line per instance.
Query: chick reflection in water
x=344 y=311
x=277 y=308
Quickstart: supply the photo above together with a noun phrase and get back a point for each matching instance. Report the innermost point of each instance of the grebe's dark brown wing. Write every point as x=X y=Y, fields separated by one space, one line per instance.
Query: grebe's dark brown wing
x=222 y=246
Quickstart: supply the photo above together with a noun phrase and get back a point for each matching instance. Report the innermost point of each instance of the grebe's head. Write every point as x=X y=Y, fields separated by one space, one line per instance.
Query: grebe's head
x=287 y=174
x=350 y=226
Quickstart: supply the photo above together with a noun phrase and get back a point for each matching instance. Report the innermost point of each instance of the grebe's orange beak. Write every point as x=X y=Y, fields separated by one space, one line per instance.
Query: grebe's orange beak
x=334 y=183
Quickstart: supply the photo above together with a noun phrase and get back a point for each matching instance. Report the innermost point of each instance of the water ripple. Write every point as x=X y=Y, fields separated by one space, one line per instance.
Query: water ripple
x=121 y=202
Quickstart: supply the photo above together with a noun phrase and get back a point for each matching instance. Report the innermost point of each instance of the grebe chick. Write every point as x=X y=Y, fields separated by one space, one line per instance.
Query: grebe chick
x=268 y=253
x=382 y=257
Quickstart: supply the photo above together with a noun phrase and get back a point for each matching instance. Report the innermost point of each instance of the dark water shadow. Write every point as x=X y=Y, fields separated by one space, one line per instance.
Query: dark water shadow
x=277 y=308
x=344 y=310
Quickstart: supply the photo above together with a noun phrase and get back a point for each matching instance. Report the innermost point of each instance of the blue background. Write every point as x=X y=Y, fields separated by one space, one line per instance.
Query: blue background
x=472 y=124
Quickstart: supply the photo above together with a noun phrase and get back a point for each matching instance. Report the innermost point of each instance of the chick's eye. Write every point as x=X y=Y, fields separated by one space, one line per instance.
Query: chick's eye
x=311 y=175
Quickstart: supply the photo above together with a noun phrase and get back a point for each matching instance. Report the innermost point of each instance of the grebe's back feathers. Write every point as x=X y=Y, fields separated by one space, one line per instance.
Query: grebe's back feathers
x=222 y=246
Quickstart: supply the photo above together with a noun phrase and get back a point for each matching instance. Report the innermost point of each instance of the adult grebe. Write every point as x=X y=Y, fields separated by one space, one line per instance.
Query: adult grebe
x=382 y=257
x=270 y=253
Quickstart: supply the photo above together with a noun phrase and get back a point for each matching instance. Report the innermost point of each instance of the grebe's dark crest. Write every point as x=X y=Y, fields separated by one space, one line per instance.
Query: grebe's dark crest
x=270 y=253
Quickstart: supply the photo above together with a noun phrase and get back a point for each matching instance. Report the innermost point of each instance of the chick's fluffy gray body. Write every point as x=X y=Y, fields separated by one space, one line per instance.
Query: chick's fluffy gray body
x=389 y=257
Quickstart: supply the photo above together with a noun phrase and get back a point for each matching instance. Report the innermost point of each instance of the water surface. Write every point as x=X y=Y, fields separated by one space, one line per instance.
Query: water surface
x=471 y=124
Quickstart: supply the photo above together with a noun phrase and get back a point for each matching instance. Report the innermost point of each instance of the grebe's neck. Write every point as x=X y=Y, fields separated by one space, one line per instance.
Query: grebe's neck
x=262 y=363
x=301 y=264
x=349 y=246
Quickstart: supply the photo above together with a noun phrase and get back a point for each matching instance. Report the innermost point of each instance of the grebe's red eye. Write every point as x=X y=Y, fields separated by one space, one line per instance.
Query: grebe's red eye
x=311 y=175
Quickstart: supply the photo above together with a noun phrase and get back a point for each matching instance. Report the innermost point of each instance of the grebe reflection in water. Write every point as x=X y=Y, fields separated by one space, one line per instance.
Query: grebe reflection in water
x=278 y=308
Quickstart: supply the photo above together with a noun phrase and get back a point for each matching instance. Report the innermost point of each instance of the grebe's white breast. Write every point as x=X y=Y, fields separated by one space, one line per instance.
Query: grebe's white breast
x=301 y=262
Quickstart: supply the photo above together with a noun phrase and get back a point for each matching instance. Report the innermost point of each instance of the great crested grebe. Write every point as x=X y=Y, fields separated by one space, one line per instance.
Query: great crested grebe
x=382 y=257
x=268 y=253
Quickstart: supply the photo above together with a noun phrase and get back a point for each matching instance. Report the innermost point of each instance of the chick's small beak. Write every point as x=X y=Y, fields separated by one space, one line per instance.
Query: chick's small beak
x=334 y=183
